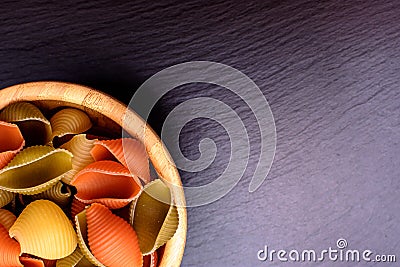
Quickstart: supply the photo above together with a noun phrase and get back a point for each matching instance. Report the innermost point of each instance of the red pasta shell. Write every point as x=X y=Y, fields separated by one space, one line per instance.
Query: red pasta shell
x=7 y=218
x=31 y=262
x=77 y=207
x=130 y=152
x=9 y=249
x=106 y=182
x=150 y=260
x=111 y=239
x=11 y=141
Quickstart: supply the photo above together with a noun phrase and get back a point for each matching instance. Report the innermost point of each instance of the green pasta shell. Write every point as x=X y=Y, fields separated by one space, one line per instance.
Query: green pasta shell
x=155 y=217
x=76 y=259
x=34 y=126
x=80 y=147
x=35 y=169
x=58 y=193
x=5 y=197
x=70 y=121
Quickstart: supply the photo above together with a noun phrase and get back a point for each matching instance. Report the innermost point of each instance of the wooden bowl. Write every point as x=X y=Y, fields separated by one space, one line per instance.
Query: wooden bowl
x=109 y=113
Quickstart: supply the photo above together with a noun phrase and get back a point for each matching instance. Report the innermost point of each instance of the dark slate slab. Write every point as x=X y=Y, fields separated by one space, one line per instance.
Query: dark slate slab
x=329 y=69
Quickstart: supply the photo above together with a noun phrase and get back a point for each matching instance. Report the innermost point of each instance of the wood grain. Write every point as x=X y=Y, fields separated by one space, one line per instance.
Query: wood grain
x=67 y=94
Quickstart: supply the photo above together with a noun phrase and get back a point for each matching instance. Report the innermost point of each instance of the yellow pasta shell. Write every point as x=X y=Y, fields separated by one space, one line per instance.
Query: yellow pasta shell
x=155 y=217
x=5 y=197
x=35 y=169
x=76 y=259
x=80 y=147
x=35 y=128
x=70 y=121
x=43 y=230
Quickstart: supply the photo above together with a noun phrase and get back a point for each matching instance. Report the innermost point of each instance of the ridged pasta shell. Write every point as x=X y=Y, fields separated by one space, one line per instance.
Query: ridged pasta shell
x=9 y=249
x=43 y=230
x=58 y=193
x=81 y=230
x=130 y=152
x=35 y=169
x=150 y=260
x=111 y=239
x=11 y=141
x=80 y=147
x=76 y=259
x=7 y=218
x=5 y=197
x=31 y=262
x=84 y=262
x=155 y=219
x=70 y=121
x=34 y=126
x=49 y=263
x=77 y=207
x=106 y=182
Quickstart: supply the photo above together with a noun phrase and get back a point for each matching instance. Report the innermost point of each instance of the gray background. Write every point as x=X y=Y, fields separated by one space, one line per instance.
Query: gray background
x=329 y=69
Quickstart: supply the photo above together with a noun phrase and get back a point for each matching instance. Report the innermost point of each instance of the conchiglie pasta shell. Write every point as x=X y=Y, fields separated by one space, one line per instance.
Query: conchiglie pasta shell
x=130 y=152
x=80 y=147
x=9 y=249
x=31 y=262
x=7 y=218
x=150 y=260
x=43 y=230
x=58 y=193
x=35 y=128
x=84 y=262
x=81 y=230
x=77 y=207
x=106 y=182
x=76 y=259
x=5 y=197
x=111 y=239
x=156 y=225
x=70 y=121
x=11 y=141
x=49 y=263
x=35 y=169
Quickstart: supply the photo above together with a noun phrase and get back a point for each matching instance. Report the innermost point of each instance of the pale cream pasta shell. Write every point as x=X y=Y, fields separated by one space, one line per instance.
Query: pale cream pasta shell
x=69 y=121
x=80 y=147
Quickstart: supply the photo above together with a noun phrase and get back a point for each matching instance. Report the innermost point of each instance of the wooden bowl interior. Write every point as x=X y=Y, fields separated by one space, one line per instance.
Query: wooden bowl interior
x=107 y=115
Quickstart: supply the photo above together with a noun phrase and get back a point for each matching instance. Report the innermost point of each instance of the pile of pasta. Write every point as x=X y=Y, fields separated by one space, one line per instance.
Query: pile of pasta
x=70 y=198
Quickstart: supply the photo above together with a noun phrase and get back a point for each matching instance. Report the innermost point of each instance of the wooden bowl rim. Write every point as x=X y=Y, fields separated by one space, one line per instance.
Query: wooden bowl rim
x=75 y=94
